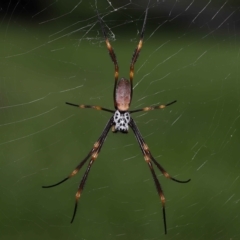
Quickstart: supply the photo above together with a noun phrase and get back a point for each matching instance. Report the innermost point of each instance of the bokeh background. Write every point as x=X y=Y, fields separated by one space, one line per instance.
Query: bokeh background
x=53 y=52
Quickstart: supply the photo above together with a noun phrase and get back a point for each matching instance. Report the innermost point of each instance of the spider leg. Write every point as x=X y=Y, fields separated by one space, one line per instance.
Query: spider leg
x=146 y=109
x=148 y=158
x=81 y=185
x=74 y=172
x=166 y=174
x=93 y=153
x=111 y=52
x=160 y=191
x=156 y=181
x=90 y=106
x=146 y=150
x=138 y=48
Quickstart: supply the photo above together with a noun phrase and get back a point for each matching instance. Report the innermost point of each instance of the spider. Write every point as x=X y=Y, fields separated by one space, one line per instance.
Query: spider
x=120 y=122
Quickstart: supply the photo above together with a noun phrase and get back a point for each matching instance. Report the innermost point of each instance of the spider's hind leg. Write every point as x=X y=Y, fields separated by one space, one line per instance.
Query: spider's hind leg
x=139 y=47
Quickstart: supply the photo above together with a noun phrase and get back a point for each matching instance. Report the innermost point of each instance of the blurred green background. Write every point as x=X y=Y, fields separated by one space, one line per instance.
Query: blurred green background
x=54 y=52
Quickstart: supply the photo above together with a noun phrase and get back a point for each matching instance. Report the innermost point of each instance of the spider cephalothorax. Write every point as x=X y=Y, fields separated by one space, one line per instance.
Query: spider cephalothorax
x=121 y=121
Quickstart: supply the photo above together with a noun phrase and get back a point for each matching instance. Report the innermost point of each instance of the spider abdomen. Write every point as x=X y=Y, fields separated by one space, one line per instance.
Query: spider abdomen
x=123 y=94
x=121 y=121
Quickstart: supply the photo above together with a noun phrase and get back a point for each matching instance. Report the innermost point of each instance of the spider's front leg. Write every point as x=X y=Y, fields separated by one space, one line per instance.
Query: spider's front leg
x=149 y=159
x=93 y=154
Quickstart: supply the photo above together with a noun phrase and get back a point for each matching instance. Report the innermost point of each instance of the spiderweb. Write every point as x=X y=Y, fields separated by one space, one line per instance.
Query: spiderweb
x=53 y=52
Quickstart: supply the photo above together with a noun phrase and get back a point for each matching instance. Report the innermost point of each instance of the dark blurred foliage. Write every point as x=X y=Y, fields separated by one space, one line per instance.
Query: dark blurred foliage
x=199 y=13
x=22 y=9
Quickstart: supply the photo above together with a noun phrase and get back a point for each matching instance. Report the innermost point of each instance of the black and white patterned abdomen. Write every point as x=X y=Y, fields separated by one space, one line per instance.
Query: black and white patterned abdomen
x=121 y=121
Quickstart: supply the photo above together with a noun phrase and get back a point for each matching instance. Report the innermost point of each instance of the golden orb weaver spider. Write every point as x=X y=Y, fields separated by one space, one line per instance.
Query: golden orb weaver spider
x=120 y=122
